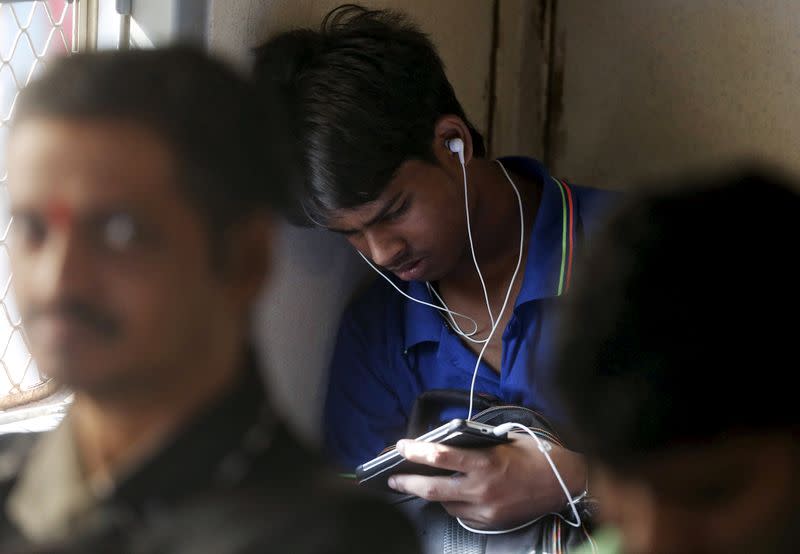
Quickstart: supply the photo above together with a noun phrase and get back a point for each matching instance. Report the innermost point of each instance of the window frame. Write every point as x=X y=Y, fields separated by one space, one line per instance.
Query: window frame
x=48 y=397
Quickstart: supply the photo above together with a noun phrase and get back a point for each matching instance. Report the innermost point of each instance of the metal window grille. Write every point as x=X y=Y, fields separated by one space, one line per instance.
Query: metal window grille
x=31 y=33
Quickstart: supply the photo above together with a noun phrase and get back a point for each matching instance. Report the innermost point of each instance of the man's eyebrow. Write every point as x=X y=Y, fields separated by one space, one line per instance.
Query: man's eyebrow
x=376 y=219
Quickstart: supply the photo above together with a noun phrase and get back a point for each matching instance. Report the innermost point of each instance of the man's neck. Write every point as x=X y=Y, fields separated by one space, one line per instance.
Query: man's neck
x=115 y=431
x=495 y=226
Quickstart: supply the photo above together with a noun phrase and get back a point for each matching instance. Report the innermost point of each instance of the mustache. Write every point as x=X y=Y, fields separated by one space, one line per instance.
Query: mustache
x=77 y=312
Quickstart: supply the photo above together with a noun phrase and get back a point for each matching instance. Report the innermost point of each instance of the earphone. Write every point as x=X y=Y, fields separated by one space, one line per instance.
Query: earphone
x=456 y=146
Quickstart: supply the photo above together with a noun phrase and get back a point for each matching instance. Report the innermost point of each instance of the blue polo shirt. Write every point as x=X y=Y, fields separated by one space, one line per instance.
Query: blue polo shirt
x=389 y=349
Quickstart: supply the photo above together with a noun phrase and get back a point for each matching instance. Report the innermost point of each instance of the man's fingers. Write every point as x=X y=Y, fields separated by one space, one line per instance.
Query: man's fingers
x=435 y=489
x=446 y=457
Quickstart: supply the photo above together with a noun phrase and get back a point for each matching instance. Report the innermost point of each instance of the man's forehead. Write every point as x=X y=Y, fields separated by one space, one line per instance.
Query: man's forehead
x=80 y=161
x=357 y=215
x=402 y=182
x=353 y=219
x=108 y=147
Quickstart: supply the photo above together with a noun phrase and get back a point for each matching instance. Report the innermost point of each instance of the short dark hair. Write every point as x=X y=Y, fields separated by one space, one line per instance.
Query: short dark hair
x=206 y=113
x=682 y=327
x=360 y=96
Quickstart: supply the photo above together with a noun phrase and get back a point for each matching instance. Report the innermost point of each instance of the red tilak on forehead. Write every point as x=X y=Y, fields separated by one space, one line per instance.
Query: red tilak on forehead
x=59 y=214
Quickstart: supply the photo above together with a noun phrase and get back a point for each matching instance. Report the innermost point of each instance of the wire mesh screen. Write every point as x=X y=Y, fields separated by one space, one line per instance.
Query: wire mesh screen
x=31 y=32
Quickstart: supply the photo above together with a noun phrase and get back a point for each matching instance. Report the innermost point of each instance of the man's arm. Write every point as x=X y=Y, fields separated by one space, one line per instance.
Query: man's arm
x=363 y=408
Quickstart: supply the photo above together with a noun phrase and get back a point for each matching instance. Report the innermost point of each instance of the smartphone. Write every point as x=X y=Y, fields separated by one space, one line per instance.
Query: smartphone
x=458 y=432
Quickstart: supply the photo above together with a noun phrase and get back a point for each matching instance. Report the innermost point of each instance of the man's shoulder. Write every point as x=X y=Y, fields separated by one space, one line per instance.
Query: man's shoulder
x=249 y=521
x=292 y=504
x=591 y=196
x=594 y=205
x=289 y=503
x=331 y=514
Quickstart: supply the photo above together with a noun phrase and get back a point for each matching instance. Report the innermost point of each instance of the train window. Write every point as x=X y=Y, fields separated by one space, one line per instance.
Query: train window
x=32 y=32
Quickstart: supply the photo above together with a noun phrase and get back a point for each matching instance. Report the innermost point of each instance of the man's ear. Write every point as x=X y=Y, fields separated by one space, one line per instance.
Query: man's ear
x=248 y=261
x=447 y=128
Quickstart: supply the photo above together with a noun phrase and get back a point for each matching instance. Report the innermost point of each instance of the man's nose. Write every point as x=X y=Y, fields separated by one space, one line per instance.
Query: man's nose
x=385 y=249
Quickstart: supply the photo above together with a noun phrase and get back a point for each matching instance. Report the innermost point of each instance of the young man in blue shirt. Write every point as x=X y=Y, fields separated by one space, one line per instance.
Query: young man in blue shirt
x=387 y=158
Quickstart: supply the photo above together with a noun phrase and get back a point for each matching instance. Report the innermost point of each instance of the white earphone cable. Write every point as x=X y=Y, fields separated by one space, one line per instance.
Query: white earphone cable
x=472 y=244
x=508 y=292
x=467 y=336
x=398 y=289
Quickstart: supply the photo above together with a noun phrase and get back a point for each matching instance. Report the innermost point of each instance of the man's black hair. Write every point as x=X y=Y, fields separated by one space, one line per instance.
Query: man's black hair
x=683 y=325
x=360 y=97
x=206 y=113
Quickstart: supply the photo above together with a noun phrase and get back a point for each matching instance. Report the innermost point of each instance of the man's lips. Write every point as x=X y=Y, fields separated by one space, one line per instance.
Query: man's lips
x=405 y=267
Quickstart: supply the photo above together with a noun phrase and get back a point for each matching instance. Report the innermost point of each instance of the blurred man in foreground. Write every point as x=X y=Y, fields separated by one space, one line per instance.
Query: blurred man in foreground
x=140 y=240
x=677 y=362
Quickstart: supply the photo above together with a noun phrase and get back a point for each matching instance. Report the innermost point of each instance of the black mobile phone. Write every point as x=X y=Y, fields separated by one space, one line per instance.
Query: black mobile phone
x=458 y=432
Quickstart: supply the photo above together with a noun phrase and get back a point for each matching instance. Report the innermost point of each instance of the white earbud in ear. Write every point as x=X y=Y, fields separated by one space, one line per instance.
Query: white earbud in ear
x=456 y=146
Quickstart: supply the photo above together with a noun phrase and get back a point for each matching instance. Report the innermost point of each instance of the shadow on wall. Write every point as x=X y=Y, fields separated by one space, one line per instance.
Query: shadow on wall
x=315 y=276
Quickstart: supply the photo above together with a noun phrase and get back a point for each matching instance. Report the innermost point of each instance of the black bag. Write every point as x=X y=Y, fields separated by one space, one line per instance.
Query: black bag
x=441 y=533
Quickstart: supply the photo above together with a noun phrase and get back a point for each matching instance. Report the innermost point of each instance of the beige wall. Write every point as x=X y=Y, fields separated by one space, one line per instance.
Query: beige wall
x=317 y=272
x=653 y=87
x=522 y=48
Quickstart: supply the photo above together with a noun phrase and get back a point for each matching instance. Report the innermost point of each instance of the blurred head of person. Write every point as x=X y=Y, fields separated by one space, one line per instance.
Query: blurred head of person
x=140 y=231
x=677 y=360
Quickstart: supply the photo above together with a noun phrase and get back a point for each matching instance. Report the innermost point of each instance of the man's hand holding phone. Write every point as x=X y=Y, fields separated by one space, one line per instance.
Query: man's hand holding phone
x=493 y=487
